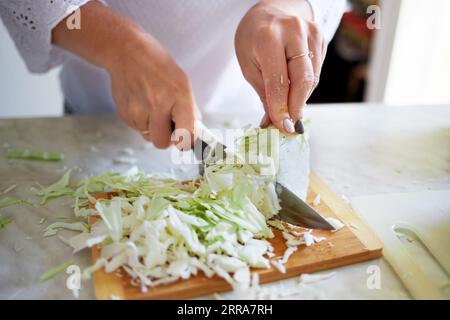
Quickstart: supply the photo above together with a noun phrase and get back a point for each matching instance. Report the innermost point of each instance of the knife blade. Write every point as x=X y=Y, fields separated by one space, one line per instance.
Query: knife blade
x=297 y=212
x=208 y=150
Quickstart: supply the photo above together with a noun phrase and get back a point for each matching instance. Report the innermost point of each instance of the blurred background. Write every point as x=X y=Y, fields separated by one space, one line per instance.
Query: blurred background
x=405 y=62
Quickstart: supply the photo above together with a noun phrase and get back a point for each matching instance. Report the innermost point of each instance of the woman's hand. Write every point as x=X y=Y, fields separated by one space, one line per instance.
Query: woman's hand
x=281 y=52
x=149 y=89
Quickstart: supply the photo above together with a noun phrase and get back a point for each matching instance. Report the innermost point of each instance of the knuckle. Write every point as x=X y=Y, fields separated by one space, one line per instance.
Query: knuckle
x=307 y=81
x=316 y=80
x=182 y=84
x=134 y=111
x=294 y=23
x=265 y=33
x=276 y=84
x=183 y=81
x=314 y=30
x=275 y=98
x=158 y=99
x=184 y=107
x=279 y=113
x=180 y=73
x=283 y=87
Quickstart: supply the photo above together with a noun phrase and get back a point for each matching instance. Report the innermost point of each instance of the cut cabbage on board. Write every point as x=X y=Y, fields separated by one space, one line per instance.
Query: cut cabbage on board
x=159 y=230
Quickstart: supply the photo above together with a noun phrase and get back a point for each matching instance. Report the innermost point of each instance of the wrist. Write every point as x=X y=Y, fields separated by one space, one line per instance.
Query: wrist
x=103 y=38
x=127 y=44
x=136 y=47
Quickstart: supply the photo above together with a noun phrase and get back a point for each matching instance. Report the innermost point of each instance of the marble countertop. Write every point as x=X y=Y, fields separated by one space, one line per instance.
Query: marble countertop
x=357 y=149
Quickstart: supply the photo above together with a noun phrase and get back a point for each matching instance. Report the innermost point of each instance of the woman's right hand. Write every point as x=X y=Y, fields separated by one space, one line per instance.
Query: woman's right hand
x=151 y=91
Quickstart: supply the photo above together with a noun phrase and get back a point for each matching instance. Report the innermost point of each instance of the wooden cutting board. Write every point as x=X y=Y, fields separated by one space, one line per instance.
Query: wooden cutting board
x=351 y=244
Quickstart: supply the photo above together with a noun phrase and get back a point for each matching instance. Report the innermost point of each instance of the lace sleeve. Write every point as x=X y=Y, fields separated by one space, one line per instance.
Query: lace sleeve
x=328 y=14
x=30 y=23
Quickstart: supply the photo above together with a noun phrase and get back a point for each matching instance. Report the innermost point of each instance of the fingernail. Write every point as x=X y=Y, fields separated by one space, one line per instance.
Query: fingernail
x=288 y=125
x=299 y=127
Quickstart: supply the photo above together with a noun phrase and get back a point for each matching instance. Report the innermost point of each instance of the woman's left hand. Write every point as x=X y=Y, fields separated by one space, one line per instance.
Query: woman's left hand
x=281 y=52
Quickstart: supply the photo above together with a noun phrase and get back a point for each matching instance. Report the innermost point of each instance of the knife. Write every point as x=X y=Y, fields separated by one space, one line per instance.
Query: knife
x=297 y=212
x=208 y=150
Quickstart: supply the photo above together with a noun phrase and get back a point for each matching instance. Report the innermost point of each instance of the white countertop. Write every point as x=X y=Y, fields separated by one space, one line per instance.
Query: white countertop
x=357 y=149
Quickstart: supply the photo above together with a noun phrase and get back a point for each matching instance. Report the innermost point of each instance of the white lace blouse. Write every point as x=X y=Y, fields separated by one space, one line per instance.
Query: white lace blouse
x=198 y=33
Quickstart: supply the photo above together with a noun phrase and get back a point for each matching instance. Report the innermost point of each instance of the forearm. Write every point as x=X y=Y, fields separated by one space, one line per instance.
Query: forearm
x=102 y=38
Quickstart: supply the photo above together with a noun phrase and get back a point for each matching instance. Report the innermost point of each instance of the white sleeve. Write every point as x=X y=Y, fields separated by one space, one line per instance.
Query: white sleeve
x=327 y=14
x=30 y=24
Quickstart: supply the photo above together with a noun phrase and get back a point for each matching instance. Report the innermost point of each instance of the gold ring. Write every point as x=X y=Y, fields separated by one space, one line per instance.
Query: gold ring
x=301 y=55
x=145 y=132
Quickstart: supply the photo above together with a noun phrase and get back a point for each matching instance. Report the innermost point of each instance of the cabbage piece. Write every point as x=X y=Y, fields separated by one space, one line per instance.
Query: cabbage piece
x=112 y=217
x=84 y=240
x=100 y=263
x=34 y=155
x=316 y=201
x=294 y=166
x=52 y=229
x=306 y=278
x=183 y=232
x=9 y=201
x=56 y=190
x=337 y=224
x=278 y=265
x=55 y=270
x=253 y=253
x=287 y=253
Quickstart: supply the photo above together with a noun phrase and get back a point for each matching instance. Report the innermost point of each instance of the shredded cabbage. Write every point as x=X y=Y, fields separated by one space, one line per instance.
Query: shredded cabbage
x=159 y=230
